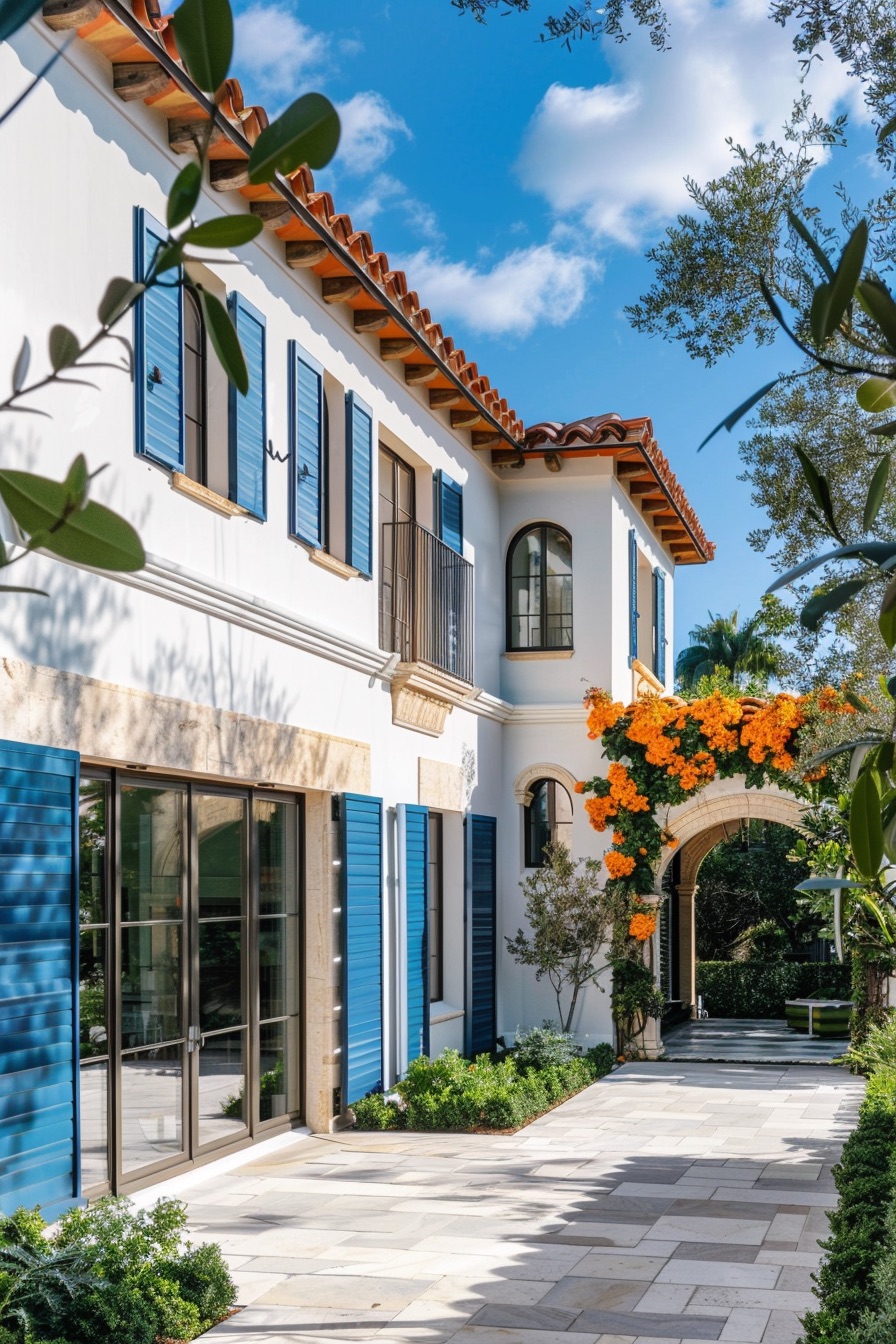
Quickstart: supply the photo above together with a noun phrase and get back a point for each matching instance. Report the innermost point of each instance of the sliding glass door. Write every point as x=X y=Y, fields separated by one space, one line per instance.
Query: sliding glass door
x=190 y=949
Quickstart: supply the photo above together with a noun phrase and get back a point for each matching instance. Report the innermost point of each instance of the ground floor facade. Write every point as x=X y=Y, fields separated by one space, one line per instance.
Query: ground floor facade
x=215 y=928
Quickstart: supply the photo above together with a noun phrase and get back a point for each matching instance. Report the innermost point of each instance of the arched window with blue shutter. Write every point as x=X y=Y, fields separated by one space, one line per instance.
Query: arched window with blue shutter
x=359 y=484
x=307 y=447
x=158 y=354
x=659 y=625
x=247 y=414
x=449 y=511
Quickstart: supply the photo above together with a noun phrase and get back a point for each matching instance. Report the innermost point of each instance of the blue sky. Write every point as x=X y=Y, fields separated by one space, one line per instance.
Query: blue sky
x=519 y=185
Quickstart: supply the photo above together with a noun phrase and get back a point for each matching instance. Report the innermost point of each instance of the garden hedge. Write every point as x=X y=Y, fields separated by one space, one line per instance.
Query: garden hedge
x=758 y=989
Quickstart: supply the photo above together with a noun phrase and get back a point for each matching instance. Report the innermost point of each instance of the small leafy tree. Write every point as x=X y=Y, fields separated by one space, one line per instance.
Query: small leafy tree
x=571 y=916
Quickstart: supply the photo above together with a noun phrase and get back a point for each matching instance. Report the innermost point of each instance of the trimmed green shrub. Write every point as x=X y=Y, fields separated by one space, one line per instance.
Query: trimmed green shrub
x=846 y=1284
x=451 y=1092
x=108 y=1274
x=758 y=989
x=877 y=1052
x=541 y=1047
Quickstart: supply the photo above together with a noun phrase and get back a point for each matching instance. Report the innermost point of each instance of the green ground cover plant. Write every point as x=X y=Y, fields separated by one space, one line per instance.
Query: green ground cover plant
x=759 y=989
x=109 y=1274
x=454 y=1093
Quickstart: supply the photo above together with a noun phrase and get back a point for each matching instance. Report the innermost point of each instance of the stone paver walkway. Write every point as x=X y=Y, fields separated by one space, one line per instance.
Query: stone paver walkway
x=666 y=1204
x=755 y=1040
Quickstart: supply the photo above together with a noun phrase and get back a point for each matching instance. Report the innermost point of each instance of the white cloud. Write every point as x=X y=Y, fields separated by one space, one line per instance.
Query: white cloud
x=385 y=192
x=276 y=53
x=370 y=128
x=528 y=287
x=615 y=155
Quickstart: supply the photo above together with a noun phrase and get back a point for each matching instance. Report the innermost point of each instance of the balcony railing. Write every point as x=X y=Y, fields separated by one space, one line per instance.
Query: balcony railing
x=426 y=600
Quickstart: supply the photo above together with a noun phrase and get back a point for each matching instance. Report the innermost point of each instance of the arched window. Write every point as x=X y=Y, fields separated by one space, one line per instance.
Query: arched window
x=194 y=390
x=547 y=820
x=539 y=589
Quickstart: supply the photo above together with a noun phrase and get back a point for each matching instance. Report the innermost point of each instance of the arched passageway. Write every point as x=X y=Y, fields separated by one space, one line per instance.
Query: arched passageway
x=715 y=814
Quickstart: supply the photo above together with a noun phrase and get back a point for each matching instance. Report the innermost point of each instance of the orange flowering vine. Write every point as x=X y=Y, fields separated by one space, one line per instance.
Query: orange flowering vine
x=619 y=865
x=642 y=927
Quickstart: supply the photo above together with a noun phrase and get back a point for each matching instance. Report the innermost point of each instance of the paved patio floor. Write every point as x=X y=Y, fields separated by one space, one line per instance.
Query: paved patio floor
x=667 y=1203
x=758 y=1041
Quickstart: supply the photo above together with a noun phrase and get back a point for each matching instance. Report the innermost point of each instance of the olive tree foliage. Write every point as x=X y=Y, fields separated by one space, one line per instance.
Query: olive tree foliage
x=58 y=516
x=582 y=20
x=571 y=916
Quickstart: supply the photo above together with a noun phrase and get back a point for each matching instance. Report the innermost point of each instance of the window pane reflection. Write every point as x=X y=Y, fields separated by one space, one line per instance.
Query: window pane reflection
x=276 y=826
x=222 y=1086
x=92 y=827
x=150 y=984
x=93 y=1026
x=151 y=1106
x=152 y=834
x=277 y=1087
x=277 y=955
x=94 y=1080
x=221 y=822
x=221 y=973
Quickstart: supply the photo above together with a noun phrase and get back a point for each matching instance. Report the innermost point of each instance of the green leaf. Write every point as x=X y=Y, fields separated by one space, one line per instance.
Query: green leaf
x=184 y=194
x=873 y=908
x=64 y=348
x=168 y=256
x=819 y=488
x=866 y=837
x=307 y=132
x=818 y=312
x=876 y=394
x=13 y=13
x=890 y=687
x=92 y=536
x=871 y=740
x=822 y=604
x=203 y=30
x=886 y=431
x=77 y=482
x=877 y=302
x=876 y=491
x=20 y=370
x=886 y=617
x=862 y=706
x=887 y=129
x=814 y=246
x=890 y=839
x=120 y=294
x=13 y=588
x=731 y=420
x=228 y=231
x=846 y=277
x=222 y=334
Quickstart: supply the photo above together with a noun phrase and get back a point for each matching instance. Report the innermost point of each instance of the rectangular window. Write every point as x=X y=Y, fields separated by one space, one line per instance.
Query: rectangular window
x=434 y=928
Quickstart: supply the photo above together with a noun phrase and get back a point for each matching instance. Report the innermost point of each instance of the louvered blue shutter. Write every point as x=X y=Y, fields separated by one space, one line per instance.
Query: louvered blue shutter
x=632 y=595
x=247 y=414
x=158 y=355
x=362 y=946
x=359 y=487
x=659 y=625
x=450 y=500
x=307 y=447
x=39 y=1157
x=480 y=1021
x=414 y=835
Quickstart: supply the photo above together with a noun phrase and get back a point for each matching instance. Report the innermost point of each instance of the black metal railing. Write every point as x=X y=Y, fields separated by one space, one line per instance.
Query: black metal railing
x=426 y=600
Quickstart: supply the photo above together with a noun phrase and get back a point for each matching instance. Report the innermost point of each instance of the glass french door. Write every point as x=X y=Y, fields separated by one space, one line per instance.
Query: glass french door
x=189 y=980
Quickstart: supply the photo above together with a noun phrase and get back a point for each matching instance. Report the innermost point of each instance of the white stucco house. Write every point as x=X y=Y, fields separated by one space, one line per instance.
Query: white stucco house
x=265 y=804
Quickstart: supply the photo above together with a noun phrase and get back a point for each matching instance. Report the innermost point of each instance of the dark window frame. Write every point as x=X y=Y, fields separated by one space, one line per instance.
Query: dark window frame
x=543 y=528
x=533 y=854
x=201 y=358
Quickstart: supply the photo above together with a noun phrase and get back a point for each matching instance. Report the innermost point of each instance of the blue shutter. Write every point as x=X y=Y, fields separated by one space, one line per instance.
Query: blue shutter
x=362 y=946
x=247 y=414
x=414 y=829
x=450 y=516
x=659 y=625
x=480 y=1021
x=632 y=595
x=307 y=446
x=158 y=355
x=39 y=1155
x=359 y=488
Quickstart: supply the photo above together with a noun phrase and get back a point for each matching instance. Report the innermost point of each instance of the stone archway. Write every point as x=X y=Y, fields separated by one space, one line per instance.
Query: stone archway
x=712 y=815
